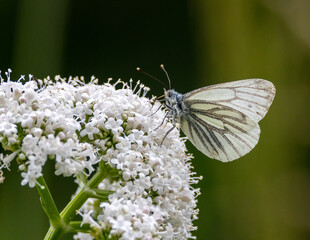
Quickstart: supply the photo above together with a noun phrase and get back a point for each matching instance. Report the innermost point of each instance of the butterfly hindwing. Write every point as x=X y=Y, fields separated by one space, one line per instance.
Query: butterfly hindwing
x=220 y=132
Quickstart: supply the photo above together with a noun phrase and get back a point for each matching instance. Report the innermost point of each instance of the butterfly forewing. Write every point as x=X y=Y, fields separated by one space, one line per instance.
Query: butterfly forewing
x=252 y=97
x=222 y=120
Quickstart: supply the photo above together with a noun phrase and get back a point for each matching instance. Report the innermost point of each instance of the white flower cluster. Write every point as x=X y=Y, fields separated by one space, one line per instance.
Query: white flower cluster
x=77 y=125
x=38 y=125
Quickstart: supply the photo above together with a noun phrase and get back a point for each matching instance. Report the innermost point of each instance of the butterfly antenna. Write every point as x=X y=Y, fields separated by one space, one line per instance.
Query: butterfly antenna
x=163 y=68
x=140 y=70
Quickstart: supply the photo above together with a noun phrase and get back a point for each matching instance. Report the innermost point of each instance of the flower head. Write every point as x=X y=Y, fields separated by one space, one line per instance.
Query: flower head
x=77 y=125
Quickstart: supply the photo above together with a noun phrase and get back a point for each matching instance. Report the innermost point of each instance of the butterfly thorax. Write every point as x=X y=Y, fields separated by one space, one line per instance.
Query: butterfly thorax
x=175 y=103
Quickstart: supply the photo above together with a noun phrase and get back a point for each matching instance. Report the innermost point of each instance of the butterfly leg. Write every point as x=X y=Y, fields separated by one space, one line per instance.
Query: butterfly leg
x=167 y=135
x=162 y=121
x=155 y=111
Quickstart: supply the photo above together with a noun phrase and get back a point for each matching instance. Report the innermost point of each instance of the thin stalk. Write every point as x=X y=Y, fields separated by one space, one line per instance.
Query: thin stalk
x=48 y=203
x=75 y=204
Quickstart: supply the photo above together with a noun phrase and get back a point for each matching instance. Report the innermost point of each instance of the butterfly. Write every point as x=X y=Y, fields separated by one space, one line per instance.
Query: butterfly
x=221 y=120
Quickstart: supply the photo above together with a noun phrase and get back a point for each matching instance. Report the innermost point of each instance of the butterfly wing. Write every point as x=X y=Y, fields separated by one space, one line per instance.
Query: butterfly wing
x=252 y=97
x=222 y=120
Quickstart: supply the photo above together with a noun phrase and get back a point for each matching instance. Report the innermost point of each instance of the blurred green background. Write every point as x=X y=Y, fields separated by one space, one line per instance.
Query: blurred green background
x=264 y=195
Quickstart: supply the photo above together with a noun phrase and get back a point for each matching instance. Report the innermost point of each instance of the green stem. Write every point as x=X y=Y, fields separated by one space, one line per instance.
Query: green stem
x=85 y=228
x=48 y=203
x=53 y=233
x=75 y=204
x=103 y=195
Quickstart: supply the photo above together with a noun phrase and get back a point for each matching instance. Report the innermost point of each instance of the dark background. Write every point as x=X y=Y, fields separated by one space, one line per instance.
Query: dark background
x=264 y=195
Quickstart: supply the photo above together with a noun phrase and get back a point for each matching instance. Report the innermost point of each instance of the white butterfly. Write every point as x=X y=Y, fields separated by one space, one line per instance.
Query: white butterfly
x=222 y=120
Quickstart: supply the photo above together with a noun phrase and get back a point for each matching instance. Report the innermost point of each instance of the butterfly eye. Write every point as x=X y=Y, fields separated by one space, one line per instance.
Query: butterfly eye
x=169 y=94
